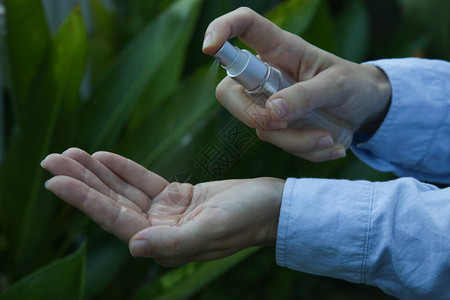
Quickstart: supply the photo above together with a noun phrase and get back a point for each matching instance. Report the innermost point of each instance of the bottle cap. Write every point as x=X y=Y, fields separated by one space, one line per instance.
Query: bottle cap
x=241 y=65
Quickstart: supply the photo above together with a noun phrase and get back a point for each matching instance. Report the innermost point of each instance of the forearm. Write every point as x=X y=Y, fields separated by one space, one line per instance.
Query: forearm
x=394 y=235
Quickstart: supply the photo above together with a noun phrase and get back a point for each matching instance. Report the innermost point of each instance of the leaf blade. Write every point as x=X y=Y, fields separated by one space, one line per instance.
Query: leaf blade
x=294 y=16
x=184 y=282
x=135 y=67
x=25 y=18
x=56 y=84
x=163 y=131
x=53 y=281
x=353 y=32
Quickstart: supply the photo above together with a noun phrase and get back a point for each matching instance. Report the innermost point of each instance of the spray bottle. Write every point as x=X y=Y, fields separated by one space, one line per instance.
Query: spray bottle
x=260 y=80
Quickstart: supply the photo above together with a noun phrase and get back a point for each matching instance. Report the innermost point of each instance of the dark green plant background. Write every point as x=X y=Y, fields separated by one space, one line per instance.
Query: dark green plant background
x=129 y=77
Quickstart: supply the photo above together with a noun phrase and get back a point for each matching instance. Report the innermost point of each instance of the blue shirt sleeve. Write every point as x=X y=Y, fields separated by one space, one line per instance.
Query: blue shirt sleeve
x=414 y=139
x=396 y=234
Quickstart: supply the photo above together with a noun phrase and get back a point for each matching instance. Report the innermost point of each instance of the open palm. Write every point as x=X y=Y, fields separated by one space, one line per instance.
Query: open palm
x=172 y=222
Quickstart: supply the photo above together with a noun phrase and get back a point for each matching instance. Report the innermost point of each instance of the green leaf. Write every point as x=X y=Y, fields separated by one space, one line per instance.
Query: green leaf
x=111 y=256
x=294 y=15
x=27 y=39
x=168 y=130
x=62 y=279
x=103 y=40
x=320 y=32
x=352 y=32
x=140 y=12
x=134 y=69
x=186 y=281
x=53 y=90
x=163 y=84
x=210 y=11
x=429 y=18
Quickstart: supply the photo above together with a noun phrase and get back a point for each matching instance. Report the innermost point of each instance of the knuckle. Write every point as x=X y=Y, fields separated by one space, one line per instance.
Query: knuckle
x=245 y=15
x=255 y=118
x=221 y=92
x=262 y=135
x=303 y=96
x=244 y=10
x=313 y=157
x=253 y=122
x=72 y=149
x=226 y=90
x=340 y=84
x=340 y=81
x=76 y=153
x=55 y=156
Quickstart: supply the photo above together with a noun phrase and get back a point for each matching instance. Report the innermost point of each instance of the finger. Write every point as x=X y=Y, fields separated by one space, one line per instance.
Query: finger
x=136 y=175
x=173 y=246
x=271 y=42
x=335 y=152
x=312 y=145
x=110 y=177
x=233 y=97
x=256 y=31
x=297 y=141
x=165 y=241
x=323 y=91
x=58 y=164
x=110 y=215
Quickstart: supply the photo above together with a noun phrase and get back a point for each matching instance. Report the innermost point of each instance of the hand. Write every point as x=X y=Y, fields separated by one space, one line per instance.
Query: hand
x=174 y=223
x=356 y=94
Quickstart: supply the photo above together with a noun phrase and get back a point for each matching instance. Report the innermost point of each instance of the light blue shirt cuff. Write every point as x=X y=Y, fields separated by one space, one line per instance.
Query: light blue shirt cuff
x=393 y=234
x=414 y=137
x=319 y=233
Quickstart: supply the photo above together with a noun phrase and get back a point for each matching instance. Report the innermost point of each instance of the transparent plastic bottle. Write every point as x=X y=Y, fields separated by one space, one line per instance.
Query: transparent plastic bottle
x=261 y=80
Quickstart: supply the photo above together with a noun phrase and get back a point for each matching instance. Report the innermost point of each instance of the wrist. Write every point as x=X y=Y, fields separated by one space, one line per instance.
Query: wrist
x=269 y=232
x=380 y=99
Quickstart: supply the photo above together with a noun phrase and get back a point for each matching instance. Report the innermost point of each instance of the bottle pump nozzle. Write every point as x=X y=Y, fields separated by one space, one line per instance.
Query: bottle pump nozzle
x=241 y=65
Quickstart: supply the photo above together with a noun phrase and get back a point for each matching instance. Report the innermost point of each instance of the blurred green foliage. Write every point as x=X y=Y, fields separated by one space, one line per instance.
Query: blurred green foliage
x=136 y=83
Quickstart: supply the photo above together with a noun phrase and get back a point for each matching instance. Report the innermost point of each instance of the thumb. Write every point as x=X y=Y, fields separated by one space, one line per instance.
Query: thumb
x=299 y=99
x=165 y=241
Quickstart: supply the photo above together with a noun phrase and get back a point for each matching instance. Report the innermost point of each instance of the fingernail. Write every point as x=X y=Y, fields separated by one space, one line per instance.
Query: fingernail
x=277 y=124
x=278 y=108
x=325 y=142
x=41 y=163
x=207 y=41
x=339 y=153
x=45 y=184
x=139 y=248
